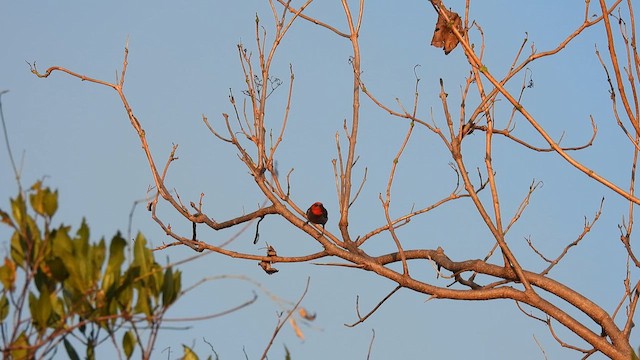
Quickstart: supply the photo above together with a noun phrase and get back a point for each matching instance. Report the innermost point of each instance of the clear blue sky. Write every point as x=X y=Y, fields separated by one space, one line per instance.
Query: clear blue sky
x=182 y=63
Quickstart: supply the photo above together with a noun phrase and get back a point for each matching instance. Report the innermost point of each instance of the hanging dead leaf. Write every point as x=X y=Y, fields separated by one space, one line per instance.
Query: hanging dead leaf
x=296 y=328
x=443 y=36
x=266 y=266
x=306 y=315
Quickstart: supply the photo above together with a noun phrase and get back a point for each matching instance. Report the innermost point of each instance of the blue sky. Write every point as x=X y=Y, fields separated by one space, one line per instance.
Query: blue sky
x=182 y=63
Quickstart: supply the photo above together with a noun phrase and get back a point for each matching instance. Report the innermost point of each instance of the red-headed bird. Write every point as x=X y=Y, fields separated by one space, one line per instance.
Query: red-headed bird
x=317 y=214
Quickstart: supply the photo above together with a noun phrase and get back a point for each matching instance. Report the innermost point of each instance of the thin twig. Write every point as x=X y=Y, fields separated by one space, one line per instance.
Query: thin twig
x=284 y=321
x=373 y=337
x=362 y=319
x=16 y=171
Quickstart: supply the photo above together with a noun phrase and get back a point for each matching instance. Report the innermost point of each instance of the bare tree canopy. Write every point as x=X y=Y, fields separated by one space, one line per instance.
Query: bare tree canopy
x=492 y=174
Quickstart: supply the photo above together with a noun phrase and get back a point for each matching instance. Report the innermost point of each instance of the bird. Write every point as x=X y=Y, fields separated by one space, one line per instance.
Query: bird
x=317 y=214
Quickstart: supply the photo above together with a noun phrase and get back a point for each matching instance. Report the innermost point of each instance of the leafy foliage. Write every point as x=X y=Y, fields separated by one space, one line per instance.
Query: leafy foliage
x=57 y=284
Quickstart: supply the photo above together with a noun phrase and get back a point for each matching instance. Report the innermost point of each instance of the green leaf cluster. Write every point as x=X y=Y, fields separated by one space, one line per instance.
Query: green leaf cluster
x=57 y=283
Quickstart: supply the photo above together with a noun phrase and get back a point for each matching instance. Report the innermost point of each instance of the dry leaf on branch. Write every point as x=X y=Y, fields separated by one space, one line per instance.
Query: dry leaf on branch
x=306 y=315
x=443 y=36
x=296 y=328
